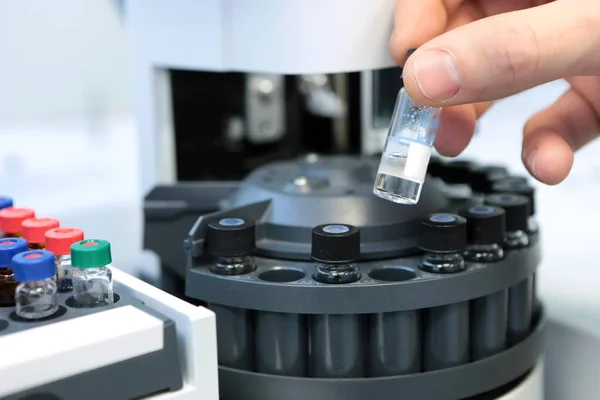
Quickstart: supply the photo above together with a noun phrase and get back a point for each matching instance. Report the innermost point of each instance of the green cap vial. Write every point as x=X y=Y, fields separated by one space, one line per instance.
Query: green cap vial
x=90 y=253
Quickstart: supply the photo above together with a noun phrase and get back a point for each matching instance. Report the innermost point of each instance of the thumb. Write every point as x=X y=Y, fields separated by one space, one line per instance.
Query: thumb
x=502 y=55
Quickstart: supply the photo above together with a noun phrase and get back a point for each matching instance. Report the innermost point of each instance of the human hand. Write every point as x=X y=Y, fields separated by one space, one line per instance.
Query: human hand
x=471 y=52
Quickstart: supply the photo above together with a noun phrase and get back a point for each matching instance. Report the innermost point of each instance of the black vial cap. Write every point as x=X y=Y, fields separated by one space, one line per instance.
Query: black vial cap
x=436 y=166
x=457 y=172
x=485 y=224
x=483 y=177
x=231 y=237
x=516 y=207
x=517 y=186
x=335 y=244
x=443 y=233
x=410 y=52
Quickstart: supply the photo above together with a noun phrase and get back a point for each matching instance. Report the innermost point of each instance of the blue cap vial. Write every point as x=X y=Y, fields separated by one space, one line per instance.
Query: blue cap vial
x=5 y=202
x=35 y=265
x=9 y=248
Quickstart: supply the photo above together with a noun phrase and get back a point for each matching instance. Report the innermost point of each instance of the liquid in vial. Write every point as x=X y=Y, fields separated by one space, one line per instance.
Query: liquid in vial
x=404 y=162
x=92 y=277
x=36 y=296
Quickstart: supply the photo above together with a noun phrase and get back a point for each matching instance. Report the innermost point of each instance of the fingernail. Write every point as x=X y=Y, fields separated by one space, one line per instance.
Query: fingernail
x=436 y=75
x=531 y=162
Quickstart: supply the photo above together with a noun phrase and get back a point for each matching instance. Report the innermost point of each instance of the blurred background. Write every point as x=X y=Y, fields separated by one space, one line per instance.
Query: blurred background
x=69 y=148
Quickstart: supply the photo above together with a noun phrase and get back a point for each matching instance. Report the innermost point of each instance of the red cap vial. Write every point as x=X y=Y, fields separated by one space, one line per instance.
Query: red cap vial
x=12 y=218
x=59 y=240
x=34 y=229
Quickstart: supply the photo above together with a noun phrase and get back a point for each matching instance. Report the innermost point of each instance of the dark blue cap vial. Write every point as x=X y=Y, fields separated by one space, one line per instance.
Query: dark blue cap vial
x=32 y=266
x=5 y=202
x=9 y=248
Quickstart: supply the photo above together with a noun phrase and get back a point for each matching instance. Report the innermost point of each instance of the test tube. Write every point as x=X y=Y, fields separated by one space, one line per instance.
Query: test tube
x=405 y=158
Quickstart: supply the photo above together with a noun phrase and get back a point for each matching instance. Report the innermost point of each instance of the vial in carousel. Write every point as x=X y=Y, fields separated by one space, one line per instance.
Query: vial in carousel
x=34 y=231
x=59 y=241
x=36 y=295
x=336 y=248
x=92 y=278
x=231 y=242
x=486 y=231
x=9 y=247
x=443 y=238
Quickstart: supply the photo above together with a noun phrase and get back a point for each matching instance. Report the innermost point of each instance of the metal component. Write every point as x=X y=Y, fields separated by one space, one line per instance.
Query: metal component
x=489 y=316
x=321 y=99
x=235 y=338
x=447 y=339
x=265 y=107
x=520 y=310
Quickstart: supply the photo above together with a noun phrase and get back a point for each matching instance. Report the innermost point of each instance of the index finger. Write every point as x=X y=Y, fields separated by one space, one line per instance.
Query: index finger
x=418 y=21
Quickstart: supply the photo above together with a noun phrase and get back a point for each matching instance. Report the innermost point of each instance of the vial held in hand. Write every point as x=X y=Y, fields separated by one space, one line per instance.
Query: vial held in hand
x=92 y=278
x=407 y=151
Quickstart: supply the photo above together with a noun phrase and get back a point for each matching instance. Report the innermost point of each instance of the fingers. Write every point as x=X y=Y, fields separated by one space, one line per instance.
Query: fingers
x=416 y=22
x=457 y=125
x=551 y=136
x=505 y=54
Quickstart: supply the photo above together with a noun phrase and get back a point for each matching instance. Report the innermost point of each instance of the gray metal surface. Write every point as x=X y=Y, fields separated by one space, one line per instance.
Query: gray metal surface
x=447 y=341
x=281 y=343
x=385 y=286
x=288 y=199
x=337 y=346
x=520 y=310
x=151 y=373
x=395 y=343
x=489 y=319
x=448 y=384
x=235 y=336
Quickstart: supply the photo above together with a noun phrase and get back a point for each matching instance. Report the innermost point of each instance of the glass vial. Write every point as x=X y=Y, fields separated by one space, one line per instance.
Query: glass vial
x=486 y=231
x=34 y=231
x=336 y=248
x=517 y=218
x=443 y=237
x=408 y=147
x=92 y=278
x=231 y=242
x=12 y=218
x=59 y=241
x=36 y=296
x=9 y=247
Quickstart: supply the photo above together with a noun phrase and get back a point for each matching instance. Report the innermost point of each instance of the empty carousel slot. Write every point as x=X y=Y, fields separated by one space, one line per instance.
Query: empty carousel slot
x=520 y=310
x=392 y=274
x=446 y=336
x=394 y=343
x=489 y=318
x=336 y=346
x=282 y=275
x=281 y=343
x=235 y=344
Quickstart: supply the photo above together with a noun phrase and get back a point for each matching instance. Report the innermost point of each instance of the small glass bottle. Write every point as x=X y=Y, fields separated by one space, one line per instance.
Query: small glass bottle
x=519 y=185
x=336 y=248
x=486 y=231
x=9 y=247
x=408 y=147
x=92 y=278
x=59 y=241
x=517 y=218
x=34 y=231
x=231 y=242
x=12 y=218
x=36 y=296
x=443 y=237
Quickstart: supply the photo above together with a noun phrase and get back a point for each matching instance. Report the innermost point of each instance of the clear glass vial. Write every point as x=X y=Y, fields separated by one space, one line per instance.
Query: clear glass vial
x=335 y=248
x=231 y=242
x=408 y=147
x=59 y=242
x=92 y=278
x=443 y=237
x=36 y=296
